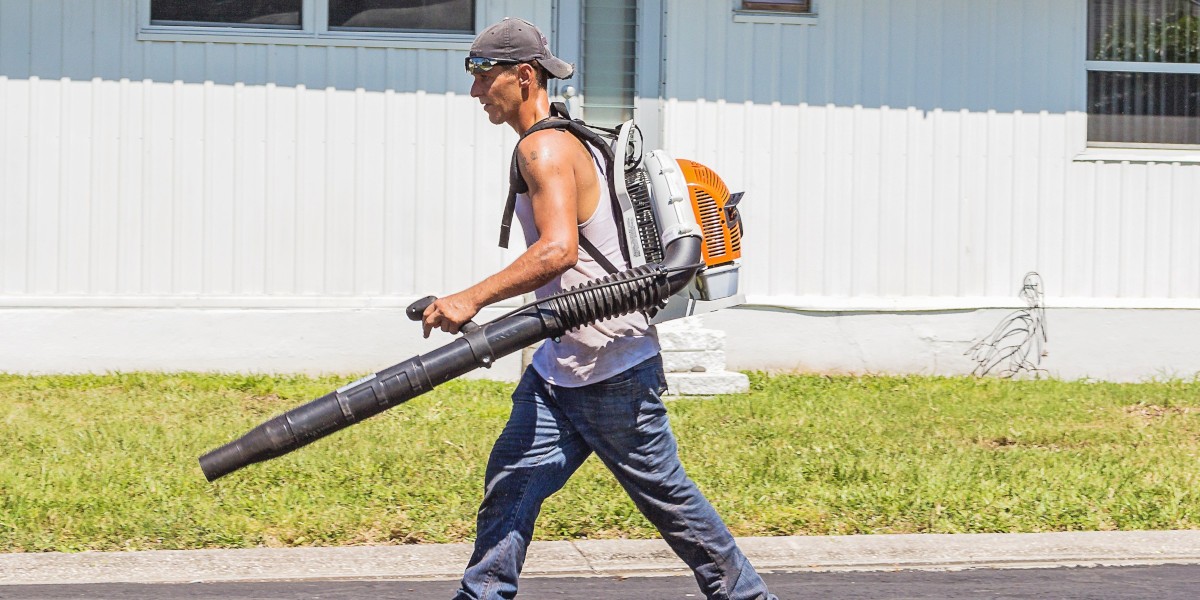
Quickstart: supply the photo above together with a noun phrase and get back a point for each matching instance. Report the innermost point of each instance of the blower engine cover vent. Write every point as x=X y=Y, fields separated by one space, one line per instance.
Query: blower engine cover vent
x=637 y=182
x=709 y=194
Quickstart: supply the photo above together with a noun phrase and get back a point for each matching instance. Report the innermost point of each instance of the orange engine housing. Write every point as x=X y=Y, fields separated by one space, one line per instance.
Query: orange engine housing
x=716 y=212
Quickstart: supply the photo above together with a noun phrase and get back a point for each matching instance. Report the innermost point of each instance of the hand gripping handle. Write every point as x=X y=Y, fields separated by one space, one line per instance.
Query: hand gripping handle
x=416 y=312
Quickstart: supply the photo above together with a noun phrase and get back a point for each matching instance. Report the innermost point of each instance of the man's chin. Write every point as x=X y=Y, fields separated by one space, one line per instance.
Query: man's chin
x=493 y=115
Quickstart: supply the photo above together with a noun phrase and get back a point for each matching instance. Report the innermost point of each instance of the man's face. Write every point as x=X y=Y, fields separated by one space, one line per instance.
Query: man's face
x=499 y=91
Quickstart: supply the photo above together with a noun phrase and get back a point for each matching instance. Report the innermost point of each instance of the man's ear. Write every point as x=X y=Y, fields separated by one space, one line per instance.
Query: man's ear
x=526 y=75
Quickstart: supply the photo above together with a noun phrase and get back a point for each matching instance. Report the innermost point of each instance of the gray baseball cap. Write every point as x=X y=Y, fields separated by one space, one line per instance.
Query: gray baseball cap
x=521 y=41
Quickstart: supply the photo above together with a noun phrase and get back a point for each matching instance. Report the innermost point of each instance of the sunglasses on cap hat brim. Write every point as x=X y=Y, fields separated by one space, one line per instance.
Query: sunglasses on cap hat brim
x=480 y=64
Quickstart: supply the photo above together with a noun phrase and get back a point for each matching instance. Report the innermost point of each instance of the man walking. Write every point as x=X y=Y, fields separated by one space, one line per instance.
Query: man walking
x=597 y=389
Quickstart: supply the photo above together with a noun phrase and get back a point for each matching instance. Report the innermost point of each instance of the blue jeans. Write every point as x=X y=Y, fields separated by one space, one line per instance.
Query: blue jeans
x=622 y=419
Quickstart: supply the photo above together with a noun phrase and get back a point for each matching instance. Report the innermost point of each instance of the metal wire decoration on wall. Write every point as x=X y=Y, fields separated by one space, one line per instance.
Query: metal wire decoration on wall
x=1018 y=343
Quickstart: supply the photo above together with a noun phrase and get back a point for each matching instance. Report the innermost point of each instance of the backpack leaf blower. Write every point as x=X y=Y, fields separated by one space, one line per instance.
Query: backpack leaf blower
x=682 y=235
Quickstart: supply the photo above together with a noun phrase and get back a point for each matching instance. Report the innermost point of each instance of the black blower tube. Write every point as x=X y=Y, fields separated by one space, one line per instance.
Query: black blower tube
x=641 y=288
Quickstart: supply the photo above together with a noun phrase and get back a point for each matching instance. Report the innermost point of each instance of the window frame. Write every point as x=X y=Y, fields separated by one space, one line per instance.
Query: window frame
x=1101 y=150
x=314 y=31
x=745 y=14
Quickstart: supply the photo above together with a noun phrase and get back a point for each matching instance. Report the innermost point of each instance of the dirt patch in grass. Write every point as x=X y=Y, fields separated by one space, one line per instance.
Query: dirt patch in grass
x=1153 y=412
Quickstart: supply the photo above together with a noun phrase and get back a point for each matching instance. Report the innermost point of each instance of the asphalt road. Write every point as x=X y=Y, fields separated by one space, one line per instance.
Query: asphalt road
x=1162 y=582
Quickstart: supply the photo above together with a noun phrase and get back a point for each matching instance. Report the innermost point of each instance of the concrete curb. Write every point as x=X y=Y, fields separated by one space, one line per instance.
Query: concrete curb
x=606 y=558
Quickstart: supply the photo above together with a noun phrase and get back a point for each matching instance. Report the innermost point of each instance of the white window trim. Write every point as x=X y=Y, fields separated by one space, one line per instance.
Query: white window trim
x=315 y=32
x=741 y=15
x=1143 y=67
x=1131 y=153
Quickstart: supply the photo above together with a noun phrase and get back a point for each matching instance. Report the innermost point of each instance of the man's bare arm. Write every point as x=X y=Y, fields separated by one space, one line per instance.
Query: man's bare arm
x=545 y=161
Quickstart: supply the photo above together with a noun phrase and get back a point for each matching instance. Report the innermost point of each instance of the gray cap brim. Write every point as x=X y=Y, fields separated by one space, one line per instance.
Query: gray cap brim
x=557 y=68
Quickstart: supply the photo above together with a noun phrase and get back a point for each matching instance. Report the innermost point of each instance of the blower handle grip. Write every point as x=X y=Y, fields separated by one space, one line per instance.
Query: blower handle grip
x=416 y=312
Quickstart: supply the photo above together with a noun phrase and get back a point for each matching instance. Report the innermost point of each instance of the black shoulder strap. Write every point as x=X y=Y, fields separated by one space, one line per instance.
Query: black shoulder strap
x=561 y=119
x=559 y=109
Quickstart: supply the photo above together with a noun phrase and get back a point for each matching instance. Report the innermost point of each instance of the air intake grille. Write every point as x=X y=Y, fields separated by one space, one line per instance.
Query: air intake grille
x=710 y=222
x=706 y=176
x=716 y=211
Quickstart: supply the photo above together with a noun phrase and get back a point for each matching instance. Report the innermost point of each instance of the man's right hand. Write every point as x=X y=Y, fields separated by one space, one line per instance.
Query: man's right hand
x=449 y=313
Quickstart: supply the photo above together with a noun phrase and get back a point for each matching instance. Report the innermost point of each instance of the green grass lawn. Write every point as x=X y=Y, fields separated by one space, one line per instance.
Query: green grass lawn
x=109 y=462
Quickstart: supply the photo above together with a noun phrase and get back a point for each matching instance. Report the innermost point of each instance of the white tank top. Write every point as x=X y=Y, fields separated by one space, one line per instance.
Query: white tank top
x=594 y=353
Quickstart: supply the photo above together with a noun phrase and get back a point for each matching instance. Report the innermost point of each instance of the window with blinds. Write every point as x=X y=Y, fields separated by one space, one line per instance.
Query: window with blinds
x=1143 y=72
x=609 y=47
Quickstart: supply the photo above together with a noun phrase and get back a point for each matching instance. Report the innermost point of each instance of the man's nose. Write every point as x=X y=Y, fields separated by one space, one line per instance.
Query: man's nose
x=477 y=89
